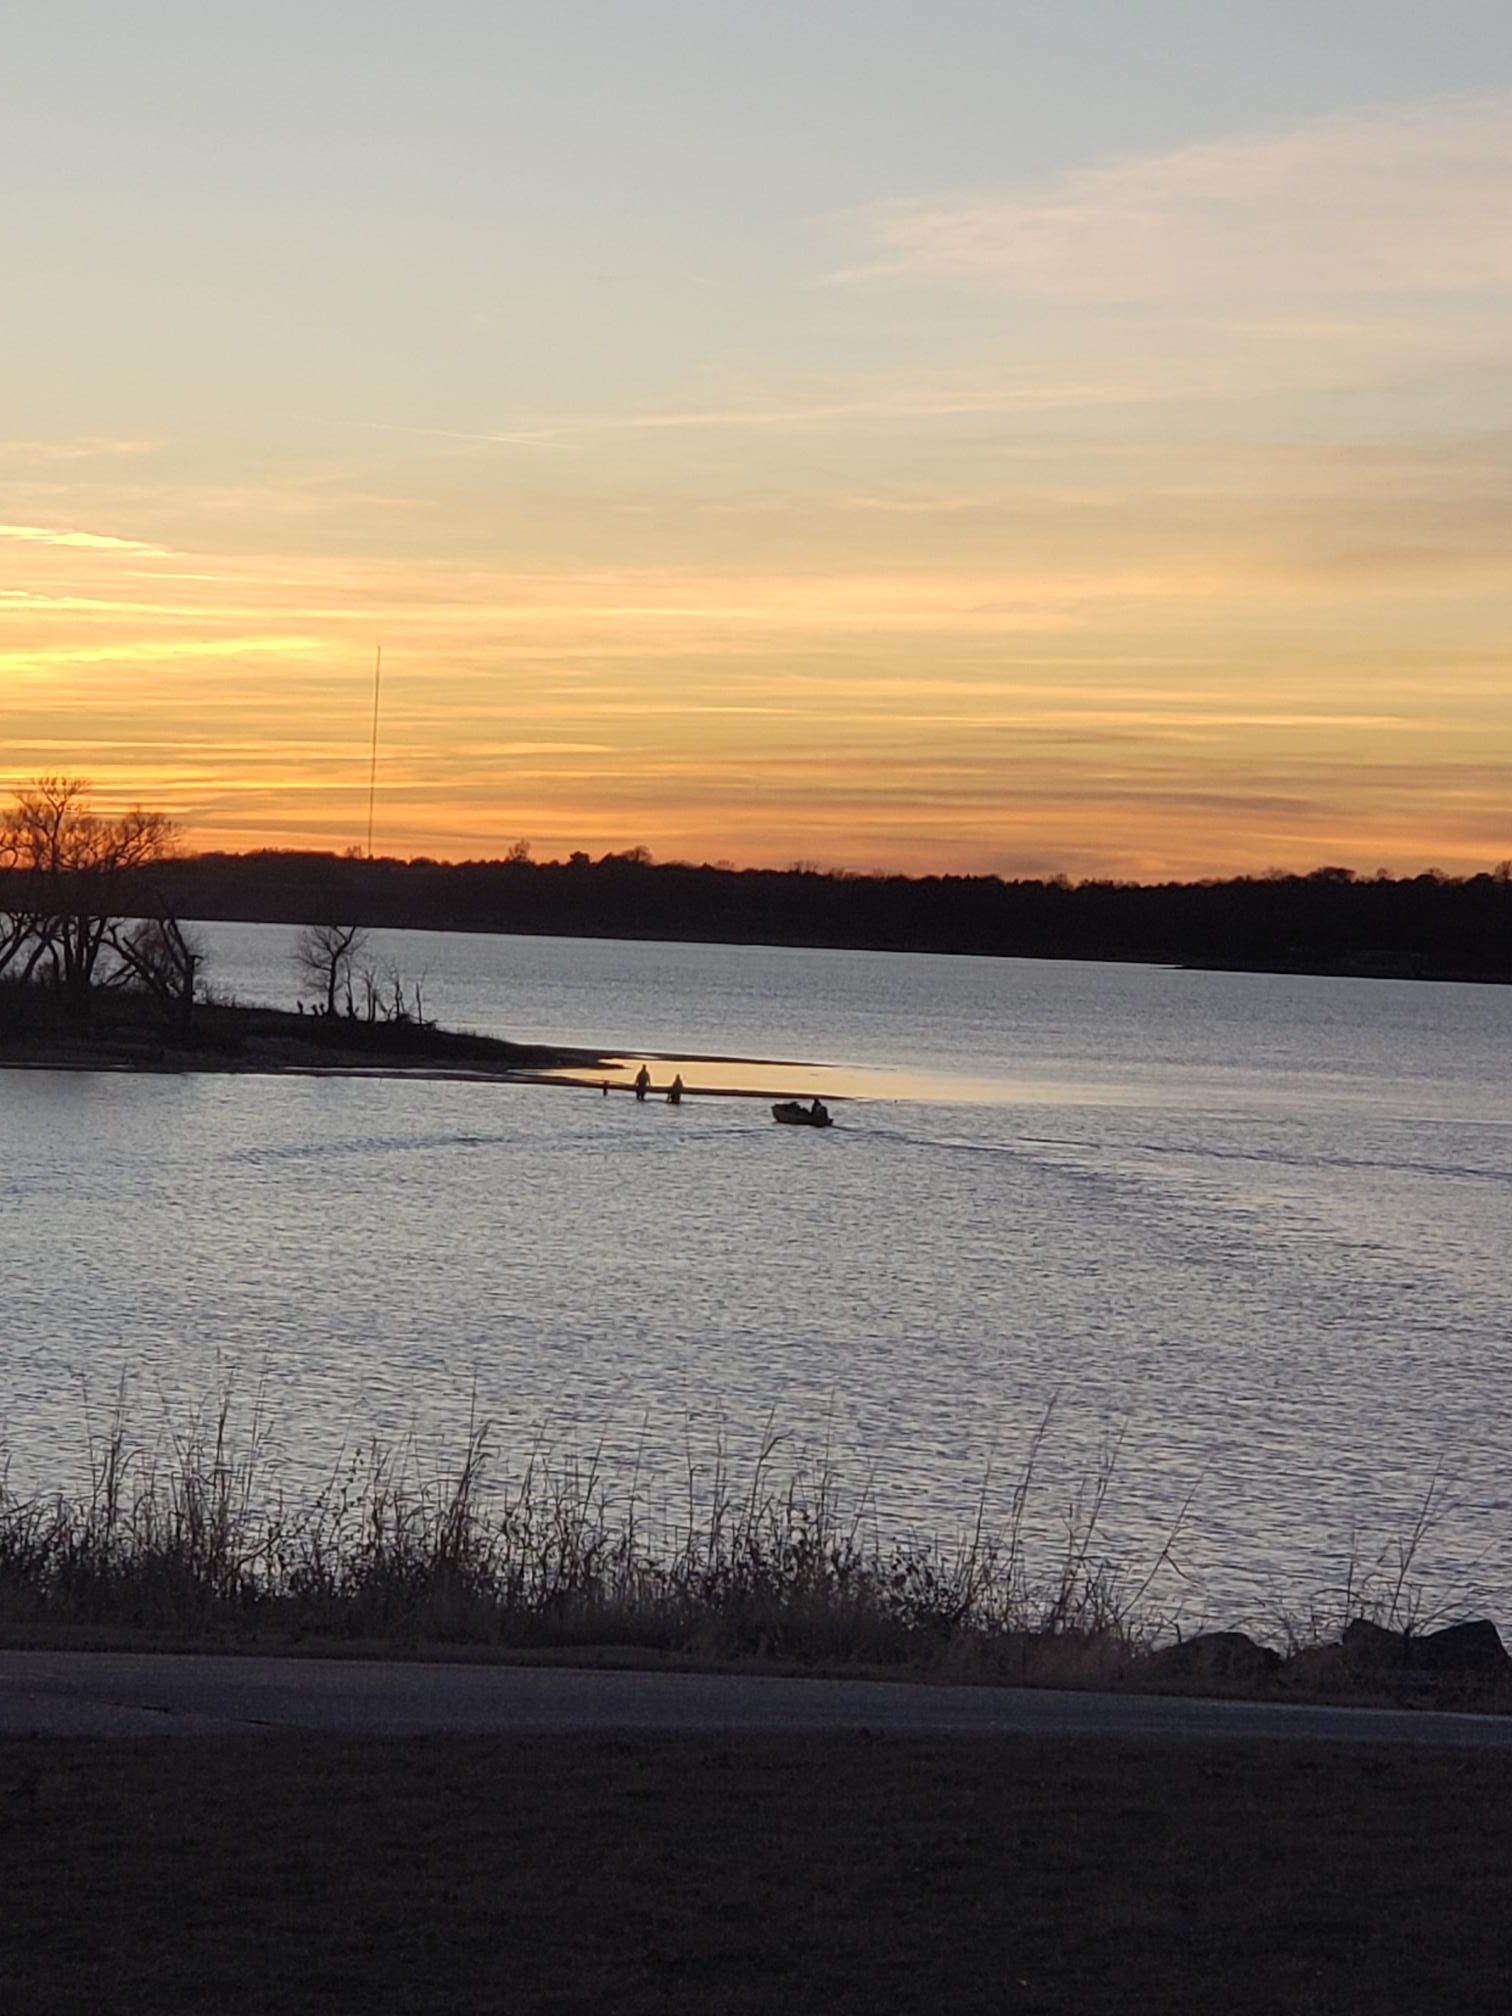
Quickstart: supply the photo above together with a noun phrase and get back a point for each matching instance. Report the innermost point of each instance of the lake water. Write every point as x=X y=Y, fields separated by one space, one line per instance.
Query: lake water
x=1258 y=1224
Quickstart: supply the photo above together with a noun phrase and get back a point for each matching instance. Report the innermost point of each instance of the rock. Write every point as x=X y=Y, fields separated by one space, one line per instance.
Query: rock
x=1471 y=1652
x=1374 y=1648
x=1474 y=1648
x=1317 y=1669
x=1226 y=1657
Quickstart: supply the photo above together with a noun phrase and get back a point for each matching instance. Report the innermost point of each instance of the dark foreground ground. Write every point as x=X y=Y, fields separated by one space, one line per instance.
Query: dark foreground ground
x=834 y=1873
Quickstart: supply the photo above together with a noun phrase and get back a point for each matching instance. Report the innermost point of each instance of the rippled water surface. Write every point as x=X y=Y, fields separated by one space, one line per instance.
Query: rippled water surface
x=1260 y=1223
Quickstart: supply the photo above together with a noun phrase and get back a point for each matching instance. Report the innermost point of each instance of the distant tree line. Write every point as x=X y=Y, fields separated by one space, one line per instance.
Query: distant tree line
x=1329 y=921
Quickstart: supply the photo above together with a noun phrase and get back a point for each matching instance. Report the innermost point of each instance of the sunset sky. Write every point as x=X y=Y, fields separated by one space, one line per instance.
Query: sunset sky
x=976 y=435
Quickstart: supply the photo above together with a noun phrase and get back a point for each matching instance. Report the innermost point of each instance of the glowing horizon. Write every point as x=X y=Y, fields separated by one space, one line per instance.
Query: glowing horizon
x=1117 y=488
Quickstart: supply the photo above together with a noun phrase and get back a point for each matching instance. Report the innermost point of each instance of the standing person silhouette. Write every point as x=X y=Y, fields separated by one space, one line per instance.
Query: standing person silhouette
x=642 y=1084
x=675 y=1091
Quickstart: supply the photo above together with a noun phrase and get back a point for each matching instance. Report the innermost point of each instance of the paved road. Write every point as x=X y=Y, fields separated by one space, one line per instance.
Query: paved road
x=129 y=1694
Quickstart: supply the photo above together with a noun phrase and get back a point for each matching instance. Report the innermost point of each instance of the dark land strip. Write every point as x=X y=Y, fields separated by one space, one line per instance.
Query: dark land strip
x=39 y=1031
x=44 y=1030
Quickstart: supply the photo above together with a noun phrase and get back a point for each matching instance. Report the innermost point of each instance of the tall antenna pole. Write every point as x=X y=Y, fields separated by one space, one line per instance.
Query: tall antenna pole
x=373 y=758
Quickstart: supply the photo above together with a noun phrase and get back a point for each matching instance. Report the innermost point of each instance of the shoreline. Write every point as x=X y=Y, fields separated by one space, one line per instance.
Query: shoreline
x=192 y=1544
x=598 y=1072
x=130 y=1036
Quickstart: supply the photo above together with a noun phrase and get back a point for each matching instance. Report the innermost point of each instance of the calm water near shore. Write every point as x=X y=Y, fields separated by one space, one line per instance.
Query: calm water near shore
x=1259 y=1222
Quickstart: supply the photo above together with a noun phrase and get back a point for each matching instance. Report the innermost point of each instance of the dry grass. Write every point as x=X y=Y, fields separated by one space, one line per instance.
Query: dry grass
x=296 y=1876
x=190 y=1542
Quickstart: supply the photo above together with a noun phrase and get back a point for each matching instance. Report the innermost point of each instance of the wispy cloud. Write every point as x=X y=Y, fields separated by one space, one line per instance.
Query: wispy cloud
x=1411 y=201
x=882 y=402
x=494 y=749
x=98 y=542
x=82 y=448
x=158 y=651
x=522 y=438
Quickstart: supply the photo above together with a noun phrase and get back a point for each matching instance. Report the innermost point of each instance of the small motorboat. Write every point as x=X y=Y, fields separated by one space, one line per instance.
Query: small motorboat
x=793 y=1113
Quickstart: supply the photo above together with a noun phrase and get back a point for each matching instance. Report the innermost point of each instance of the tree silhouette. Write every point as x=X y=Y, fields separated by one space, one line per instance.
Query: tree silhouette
x=325 y=956
x=71 y=871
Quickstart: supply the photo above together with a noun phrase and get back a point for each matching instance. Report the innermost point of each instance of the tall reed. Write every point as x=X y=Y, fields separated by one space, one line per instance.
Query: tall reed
x=190 y=1536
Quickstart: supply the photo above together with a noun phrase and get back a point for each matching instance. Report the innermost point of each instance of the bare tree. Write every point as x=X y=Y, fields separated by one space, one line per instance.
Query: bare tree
x=160 y=955
x=325 y=956
x=69 y=871
x=390 y=995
